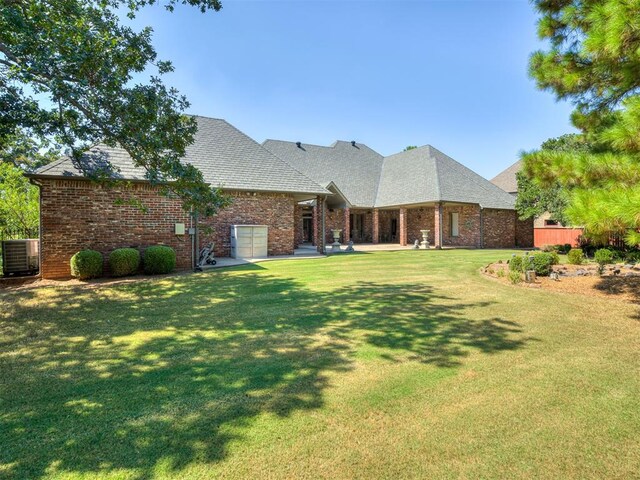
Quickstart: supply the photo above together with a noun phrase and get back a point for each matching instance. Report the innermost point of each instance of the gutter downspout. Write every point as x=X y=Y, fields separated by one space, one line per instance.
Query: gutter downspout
x=196 y=253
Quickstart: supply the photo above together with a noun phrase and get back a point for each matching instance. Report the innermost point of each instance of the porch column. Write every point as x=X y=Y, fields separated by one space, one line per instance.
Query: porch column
x=347 y=225
x=315 y=222
x=403 y=226
x=437 y=235
x=375 y=234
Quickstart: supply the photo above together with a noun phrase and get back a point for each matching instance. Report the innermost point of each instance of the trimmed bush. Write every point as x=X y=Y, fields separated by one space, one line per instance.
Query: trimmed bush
x=515 y=277
x=124 y=261
x=515 y=264
x=555 y=258
x=542 y=263
x=603 y=257
x=86 y=264
x=575 y=256
x=159 y=259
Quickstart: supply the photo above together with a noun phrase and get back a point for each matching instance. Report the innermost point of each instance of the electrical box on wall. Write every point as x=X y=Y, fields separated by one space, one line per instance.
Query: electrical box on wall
x=179 y=228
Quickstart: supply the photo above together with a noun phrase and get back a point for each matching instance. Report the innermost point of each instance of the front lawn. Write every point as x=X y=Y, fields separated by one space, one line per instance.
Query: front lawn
x=380 y=365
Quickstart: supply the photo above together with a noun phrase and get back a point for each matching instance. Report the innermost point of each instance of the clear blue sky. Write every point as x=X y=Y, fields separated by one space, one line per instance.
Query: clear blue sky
x=452 y=74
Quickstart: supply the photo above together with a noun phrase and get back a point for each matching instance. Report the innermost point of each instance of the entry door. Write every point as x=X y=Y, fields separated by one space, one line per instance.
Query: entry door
x=307 y=229
x=356 y=225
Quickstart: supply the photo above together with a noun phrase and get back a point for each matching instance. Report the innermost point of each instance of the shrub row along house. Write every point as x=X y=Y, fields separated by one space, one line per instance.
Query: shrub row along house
x=299 y=192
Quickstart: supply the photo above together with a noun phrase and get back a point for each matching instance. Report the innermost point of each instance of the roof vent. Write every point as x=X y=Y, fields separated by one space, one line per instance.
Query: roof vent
x=353 y=143
x=299 y=144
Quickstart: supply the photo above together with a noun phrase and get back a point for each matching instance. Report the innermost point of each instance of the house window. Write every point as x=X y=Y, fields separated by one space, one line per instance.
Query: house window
x=455 y=230
x=550 y=223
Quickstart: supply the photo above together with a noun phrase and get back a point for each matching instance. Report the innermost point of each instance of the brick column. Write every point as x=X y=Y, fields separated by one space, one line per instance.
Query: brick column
x=315 y=222
x=376 y=227
x=437 y=235
x=403 y=226
x=346 y=232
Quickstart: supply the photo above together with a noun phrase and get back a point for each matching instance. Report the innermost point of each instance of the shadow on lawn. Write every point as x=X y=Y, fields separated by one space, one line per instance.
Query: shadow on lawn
x=155 y=375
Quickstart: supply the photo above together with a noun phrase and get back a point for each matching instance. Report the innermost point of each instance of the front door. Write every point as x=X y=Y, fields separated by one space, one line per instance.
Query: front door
x=307 y=230
x=356 y=225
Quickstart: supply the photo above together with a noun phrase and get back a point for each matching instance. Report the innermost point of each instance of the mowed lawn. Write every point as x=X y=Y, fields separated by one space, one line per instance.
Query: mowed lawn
x=383 y=365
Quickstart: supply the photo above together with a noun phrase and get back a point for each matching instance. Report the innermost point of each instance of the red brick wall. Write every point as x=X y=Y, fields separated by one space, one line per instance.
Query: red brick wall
x=422 y=218
x=524 y=233
x=78 y=214
x=468 y=226
x=499 y=228
x=276 y=210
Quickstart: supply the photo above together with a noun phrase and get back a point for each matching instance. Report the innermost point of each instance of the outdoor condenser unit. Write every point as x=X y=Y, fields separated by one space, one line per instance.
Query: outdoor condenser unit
x=20 y=256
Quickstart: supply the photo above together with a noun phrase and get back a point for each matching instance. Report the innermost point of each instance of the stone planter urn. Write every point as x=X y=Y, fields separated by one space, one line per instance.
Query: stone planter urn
x=335 y=246
x=425 y=238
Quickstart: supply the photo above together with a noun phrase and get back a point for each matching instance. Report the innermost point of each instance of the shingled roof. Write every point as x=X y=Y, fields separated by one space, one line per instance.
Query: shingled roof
x=226 y=157
x=426 y=174
x=353 y=167
x=506 y=179
x=367 y=179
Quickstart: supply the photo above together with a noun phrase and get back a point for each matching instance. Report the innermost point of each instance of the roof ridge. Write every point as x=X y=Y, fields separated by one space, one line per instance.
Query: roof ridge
x=437 y=170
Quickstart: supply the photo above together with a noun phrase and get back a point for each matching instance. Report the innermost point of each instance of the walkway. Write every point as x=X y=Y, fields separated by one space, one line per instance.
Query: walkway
x=303 y=252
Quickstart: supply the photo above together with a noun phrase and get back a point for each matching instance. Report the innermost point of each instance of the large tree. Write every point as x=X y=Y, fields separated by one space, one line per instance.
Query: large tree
x=536 y=198
x=69 y=73
x=593 y=60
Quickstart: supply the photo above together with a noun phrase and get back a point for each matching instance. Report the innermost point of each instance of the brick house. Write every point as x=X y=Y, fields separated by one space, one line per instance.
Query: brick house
x=300 y=192
x=390 y=199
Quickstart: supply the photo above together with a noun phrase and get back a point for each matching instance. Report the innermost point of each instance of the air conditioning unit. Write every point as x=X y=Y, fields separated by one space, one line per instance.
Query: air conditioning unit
x=20 y=256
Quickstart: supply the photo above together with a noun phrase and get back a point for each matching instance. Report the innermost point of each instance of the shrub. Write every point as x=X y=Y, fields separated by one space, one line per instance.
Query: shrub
x=632 y=257
x=159 y=259
x=549 y=248
x=603 y=257
x=500 y=273
x=124 y=261
x=516 y=264
x=555 y=258
x=86 y=264
x=515 y=277
x=575 y=256
x=542 y=263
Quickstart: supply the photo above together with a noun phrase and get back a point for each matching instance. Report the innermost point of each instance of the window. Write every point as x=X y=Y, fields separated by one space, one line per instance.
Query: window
x=455 y=231
x=550 y=223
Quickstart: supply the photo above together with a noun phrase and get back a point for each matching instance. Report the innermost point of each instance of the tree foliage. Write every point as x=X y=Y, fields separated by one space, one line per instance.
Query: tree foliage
x=593 y=60
x=535 y=198
x=19 y=207
x=67 y=79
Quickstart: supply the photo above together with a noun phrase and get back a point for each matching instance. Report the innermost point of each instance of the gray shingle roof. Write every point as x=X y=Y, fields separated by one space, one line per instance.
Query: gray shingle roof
x=506 y=179
x=367 y=179
x=355 y=170
x=226 y=157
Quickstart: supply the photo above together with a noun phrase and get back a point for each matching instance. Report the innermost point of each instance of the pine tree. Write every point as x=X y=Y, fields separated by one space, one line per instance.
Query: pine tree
x=594 y=61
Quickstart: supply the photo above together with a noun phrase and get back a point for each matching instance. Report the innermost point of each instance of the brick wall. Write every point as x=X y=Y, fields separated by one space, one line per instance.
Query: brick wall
x=524 y=233
x=78 y=214
x=276 y=210
x=499 y=228
x=422 y=218
x=468 y=226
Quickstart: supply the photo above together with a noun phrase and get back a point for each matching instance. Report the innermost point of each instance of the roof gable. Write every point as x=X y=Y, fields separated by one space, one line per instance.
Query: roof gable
x=506 y=180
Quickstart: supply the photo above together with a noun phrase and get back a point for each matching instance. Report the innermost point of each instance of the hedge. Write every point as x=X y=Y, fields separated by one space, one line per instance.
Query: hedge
x=86 y=264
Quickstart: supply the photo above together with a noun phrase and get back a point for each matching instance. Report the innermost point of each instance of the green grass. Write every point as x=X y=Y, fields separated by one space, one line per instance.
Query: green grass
x=382 y=365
